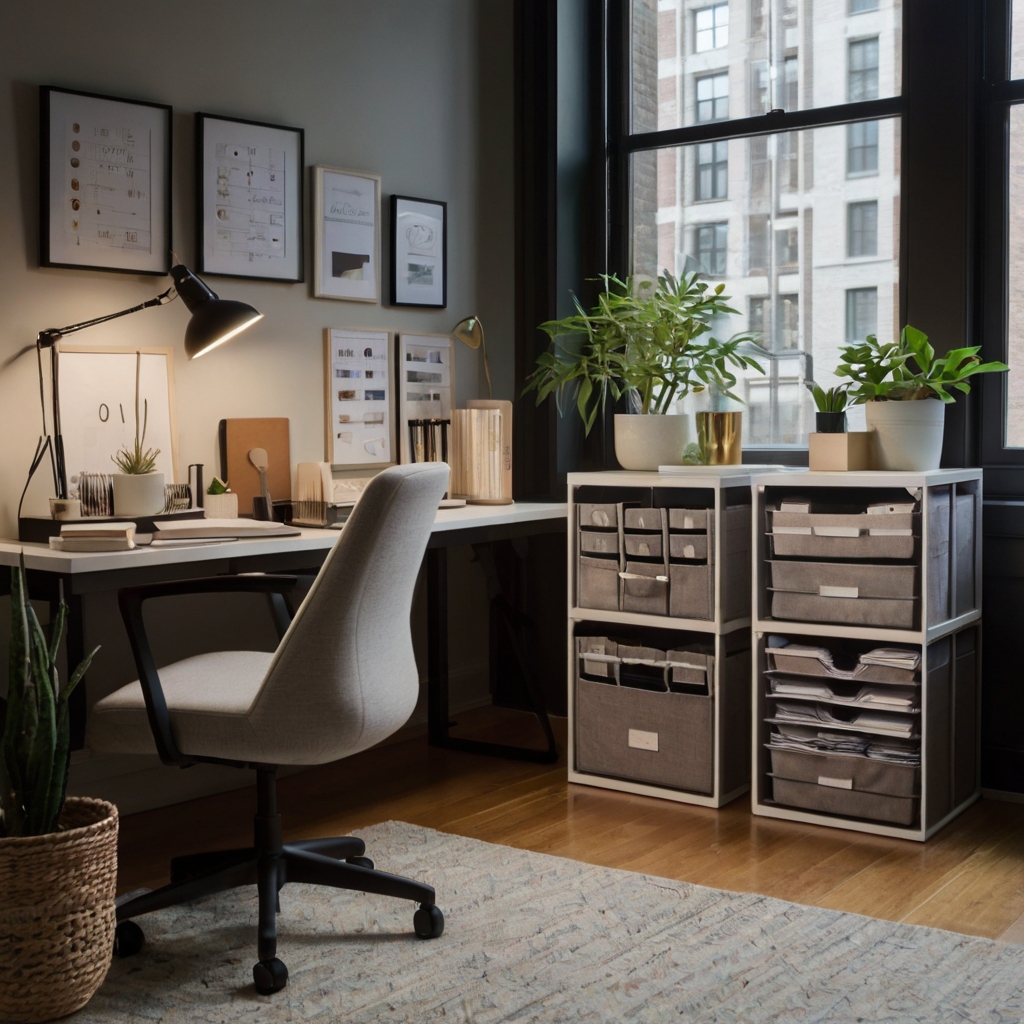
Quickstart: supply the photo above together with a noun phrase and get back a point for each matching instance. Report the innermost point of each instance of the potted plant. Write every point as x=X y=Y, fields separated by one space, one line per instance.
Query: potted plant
x=138 y=489
x=58 y=858
x=905 y=389
x=648 y=343
x=831 y=405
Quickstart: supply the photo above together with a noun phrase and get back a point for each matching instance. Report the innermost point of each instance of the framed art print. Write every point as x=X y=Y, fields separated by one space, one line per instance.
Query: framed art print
x=346 y=249
x=105 y=188
x=249 y=198
x=419 y=252
x=426 y=383
x=358 y=398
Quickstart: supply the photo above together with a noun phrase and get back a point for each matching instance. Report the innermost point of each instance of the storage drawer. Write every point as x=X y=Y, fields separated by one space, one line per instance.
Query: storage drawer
x=688 y=545
x=665 y=739
x=692 y=668
x=868 y=595
x=645 y=588
x=813 y=535
x=847 y=771
x=846 y=803
x=643 y=545
x=604 y=515
x=691 y=591
x=599 y=583
x=595 y=542
x=689 y=519
x=604 y=649
x=644 y=519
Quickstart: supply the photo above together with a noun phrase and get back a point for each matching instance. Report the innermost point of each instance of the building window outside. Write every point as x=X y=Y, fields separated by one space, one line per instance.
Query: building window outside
x=861 y=148
x=862 y=81
x=756 y=310
x=787 y=248
x=712 y=246
x=759 y=88
x=862 y=228
x=861 y=314
x=711 y=28
x=757 y=244
x=790 y=87
x=760 y=167
x=788 y=151
x=787 y=332
x=713 y=97
x=861 y=6
x=712 y=170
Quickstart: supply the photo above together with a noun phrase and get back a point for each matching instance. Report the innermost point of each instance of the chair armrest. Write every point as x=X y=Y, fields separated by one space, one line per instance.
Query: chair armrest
x=130 y=601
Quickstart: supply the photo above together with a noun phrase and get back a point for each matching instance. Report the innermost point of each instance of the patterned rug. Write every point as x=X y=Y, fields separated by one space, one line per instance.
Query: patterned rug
x=529 y=937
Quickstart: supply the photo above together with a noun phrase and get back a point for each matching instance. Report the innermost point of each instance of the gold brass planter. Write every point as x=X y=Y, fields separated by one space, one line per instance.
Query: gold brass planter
x=720 y=436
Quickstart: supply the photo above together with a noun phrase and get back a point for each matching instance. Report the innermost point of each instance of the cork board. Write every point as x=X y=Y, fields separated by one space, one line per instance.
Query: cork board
x=241 y=435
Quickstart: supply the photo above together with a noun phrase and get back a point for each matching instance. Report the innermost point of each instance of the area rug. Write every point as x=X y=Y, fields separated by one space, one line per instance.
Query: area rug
x=529 y=937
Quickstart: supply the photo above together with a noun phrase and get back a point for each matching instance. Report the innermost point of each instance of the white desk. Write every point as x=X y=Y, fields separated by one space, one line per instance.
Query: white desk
x=55 y=574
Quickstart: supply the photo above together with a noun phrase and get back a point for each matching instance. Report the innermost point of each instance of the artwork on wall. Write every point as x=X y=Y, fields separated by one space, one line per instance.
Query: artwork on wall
x=426 y=385
x=346 y=249
x=419 y=252
x=249 y=198
x=105 y=182
x=358 y=405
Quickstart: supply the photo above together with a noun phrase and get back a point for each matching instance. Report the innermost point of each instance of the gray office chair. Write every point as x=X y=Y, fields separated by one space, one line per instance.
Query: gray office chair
x=342 y=679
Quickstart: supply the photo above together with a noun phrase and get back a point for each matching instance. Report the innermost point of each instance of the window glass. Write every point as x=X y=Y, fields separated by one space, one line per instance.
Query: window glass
x=861 y=313
x=712 y=177
x=712 y=246
x=713 y=97
x=1017 y=39
x=862 y=228
x=1015 y=283
x=863 y=6
x=711 y=27
x=861 y=148
x=863 y=70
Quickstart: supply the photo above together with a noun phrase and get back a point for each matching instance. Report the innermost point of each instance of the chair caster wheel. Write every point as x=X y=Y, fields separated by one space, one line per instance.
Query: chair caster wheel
x=270 y=976
x=128 y=939
x=360 y=862
x=428 y=922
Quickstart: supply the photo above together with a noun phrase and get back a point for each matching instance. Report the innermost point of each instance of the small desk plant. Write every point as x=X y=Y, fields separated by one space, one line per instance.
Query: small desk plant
x=58 y=857
x=905 y=388
x=649 y=343
x=830 y=417
x=138 y=488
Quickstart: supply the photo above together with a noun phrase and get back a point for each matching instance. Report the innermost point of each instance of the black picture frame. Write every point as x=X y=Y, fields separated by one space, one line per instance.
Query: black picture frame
x=236 y=264
x=57 y=249
x=405 y=292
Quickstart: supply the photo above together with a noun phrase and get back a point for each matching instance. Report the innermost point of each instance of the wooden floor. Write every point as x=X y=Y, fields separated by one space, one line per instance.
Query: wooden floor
x=968 y=878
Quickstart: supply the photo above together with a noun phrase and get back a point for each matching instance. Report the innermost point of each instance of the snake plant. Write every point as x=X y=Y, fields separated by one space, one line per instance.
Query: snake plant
x=36 y=752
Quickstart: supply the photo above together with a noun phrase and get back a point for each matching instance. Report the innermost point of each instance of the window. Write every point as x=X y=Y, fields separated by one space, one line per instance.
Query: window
x=862 y=6
x=861 y=314
x=790 y=91
x=787 y=248
x=787 y=333
x=863 y=70
x=788 y=148
x=861 y=148
x=712 y=245
x=756 y=309
x=759 y=256
x=862 y=228
x=712 y=170
x=713 y=98
x=711 y=28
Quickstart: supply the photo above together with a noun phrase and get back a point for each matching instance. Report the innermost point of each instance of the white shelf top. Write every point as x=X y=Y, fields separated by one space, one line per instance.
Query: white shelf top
x=689 y=476
x=864 y=478
x=656 y=621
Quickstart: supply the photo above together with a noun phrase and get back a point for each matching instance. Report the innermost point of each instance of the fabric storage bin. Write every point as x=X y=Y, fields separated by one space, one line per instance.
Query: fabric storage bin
x=603 y=515
x=645 y=588
x=643 y=545
x=867 y=595
x=846 y=803
x=689 y=519
x=644 y=519
x=688 y=545
x=823 y=535
x=692 y=668
x=691 y=591
x=665 y=739
x=598 y=584
x=965 y=515
x=736 y=563
x=599 y=542
x=607 y=656
x=938 y=554
x=847 y=771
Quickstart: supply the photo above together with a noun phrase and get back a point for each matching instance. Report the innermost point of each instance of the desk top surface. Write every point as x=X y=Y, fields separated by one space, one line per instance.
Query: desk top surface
x=41 y=556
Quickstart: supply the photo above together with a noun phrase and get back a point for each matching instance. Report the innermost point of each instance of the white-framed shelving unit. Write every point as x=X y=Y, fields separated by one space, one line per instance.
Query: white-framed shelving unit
x=946 y=630
x=716 y=489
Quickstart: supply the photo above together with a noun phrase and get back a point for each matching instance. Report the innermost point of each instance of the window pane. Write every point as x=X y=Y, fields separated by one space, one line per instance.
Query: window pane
x=776 y=239
x=1017 y=39
x=1015 y=284
x=861 y=148
x=761 y=54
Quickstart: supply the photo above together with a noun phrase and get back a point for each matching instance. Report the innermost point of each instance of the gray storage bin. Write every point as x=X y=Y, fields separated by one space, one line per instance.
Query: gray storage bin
x=689 y=545
x=643 y=545
x=599 y=645
x=614 y=724
x=691 y=591
x=689 y=518
x=599 y=583
x=818 y=544
x=644 y=518
x=605 y=515
x=875 y=595
x=736 y=563
x=863 y=774
x=938 y=554
x=846 y=803
x=693 y=668
x=965 y=515
x=644 y=588
x=594 y=542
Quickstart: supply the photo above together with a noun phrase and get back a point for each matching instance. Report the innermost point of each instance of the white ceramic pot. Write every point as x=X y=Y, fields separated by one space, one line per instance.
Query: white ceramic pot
x=907 y=435
x=647 y=442
x=220 y=506
x=138 y=494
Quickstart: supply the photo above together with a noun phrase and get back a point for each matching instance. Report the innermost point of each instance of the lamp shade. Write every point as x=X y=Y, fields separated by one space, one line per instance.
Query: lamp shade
x=214 y=320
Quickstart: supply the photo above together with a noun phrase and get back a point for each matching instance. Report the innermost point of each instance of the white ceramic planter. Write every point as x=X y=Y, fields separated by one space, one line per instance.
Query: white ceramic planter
x=907 y=435
x=647 y=442
x=220 y=506
x=140 y=494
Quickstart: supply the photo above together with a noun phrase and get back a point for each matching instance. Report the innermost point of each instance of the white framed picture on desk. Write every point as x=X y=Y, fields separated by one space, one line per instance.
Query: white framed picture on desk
x=426 y=383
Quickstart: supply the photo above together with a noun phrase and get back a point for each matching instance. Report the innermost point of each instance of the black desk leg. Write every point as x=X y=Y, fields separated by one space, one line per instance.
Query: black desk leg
x=76 y=652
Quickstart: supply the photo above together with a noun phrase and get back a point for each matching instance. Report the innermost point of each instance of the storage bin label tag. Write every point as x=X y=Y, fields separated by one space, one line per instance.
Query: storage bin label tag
x=824 y=591
x=643 y=740
x=824 y=780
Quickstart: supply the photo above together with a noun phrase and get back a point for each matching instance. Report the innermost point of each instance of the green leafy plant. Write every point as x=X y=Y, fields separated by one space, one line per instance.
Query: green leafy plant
x=650 y=341
x=36 y=754
x=908 y=370
x=833 y=400
x=217 y=486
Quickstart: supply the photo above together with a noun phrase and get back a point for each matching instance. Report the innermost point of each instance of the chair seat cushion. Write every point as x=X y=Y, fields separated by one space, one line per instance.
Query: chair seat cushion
x=209 y=698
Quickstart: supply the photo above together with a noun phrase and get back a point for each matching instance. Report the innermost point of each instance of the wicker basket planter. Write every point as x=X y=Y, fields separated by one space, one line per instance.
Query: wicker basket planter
x=57 y=913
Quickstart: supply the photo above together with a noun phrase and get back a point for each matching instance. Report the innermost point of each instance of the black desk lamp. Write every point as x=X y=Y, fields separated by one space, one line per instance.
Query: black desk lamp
x=214 y=320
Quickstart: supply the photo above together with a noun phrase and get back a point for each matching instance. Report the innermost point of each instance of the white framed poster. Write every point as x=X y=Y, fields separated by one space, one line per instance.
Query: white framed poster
x=426 y=383
x=346 y=248
x=419 y=252
x=249 y=198
x=105 y=188
x=358 y=400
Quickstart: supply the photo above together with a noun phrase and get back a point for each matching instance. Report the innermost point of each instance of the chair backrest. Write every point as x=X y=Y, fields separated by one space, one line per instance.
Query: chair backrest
x=344 y=676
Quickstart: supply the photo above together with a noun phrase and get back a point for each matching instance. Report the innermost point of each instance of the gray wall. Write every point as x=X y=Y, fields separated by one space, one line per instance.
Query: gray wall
x=420 y=93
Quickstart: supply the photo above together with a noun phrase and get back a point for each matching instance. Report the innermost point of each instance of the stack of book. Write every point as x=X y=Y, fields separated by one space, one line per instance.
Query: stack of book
x=105 y=536
x=481 y=453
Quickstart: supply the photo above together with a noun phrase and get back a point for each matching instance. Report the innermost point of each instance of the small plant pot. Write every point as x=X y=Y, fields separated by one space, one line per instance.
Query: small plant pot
x=220 y=506
x=720 y=436
x=830 y=422
x=138 y=494
x=647 y=442
x=907 y=435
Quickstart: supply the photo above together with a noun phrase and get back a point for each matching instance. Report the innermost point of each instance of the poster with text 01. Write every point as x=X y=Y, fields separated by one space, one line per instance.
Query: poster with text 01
x=360 y=431
x=347 y=216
